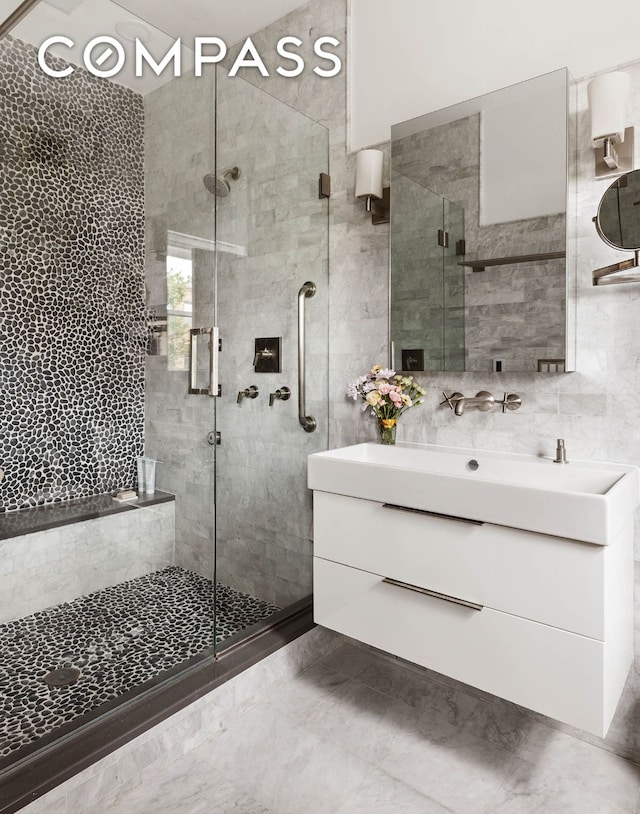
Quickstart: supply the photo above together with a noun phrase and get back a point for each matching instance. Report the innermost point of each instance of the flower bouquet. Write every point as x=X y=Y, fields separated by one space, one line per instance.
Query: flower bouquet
x=388 y=395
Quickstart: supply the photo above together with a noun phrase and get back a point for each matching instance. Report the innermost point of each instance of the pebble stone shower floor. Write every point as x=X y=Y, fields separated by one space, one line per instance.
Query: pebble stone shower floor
x=118 y=637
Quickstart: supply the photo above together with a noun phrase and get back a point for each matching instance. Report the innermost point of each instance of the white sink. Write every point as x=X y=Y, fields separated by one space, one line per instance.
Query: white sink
x=581 y=500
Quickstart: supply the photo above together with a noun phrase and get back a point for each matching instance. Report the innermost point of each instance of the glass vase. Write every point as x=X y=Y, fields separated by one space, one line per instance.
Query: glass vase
x=387 y=430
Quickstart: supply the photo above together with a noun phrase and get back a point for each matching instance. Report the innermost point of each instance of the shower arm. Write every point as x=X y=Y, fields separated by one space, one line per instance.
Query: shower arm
x=307 y=422
x=6 y=26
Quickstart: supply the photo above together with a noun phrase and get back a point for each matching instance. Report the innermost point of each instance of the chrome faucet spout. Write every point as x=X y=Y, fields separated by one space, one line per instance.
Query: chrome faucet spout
x=483 y=400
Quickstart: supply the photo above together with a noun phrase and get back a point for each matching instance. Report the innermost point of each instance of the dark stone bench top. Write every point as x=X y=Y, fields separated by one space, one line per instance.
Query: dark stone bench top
x=66 y=512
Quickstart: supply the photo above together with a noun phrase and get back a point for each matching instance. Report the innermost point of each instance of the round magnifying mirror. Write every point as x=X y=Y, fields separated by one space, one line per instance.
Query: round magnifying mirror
x=618 y=219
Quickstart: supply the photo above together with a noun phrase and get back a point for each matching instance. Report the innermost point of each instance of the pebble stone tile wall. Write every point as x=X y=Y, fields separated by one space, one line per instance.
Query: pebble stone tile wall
x=72 y=326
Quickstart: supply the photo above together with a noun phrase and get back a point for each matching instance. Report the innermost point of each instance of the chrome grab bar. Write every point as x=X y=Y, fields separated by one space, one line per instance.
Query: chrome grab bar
x=307 y=422
x=454 y=600
x=214 y=342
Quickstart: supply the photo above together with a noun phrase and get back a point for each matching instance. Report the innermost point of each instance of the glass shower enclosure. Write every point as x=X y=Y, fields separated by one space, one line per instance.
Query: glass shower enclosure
x=222 y=353
x=427 y=283
x=230 y=243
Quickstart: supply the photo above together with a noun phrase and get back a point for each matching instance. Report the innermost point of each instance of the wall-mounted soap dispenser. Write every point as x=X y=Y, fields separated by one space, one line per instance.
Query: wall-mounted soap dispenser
x=267 y=355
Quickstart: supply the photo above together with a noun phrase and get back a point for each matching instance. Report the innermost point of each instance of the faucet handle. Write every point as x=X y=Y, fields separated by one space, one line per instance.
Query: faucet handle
x=283 y=394
x=451 y=400
x=249 y=393
x=511 y=401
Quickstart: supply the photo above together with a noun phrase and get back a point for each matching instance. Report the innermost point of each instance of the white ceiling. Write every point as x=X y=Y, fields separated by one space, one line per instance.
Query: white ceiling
x=233 y=20
x=81 y=20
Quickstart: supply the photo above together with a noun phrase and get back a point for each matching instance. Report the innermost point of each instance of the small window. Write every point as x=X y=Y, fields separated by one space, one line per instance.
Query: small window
x=179 y=307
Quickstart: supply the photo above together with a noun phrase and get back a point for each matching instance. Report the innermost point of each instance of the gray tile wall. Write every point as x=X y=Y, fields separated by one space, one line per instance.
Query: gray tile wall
x=46 y=568
x=72 y=326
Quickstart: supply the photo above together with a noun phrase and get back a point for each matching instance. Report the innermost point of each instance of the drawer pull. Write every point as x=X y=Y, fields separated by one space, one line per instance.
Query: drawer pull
x=445 y=597
x=433 y=514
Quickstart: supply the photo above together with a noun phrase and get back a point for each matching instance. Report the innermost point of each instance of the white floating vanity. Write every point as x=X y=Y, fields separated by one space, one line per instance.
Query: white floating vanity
x=507 y=572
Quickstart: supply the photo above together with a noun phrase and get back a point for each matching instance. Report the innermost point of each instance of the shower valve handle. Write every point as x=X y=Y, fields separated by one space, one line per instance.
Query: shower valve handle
x=283 y=394
x=249 y=393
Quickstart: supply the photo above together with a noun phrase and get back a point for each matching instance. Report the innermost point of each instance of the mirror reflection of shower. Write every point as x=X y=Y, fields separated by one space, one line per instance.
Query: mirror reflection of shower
x=220 y=187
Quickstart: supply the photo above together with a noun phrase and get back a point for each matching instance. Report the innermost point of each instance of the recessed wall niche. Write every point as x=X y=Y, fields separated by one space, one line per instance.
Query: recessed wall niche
x=72 y=320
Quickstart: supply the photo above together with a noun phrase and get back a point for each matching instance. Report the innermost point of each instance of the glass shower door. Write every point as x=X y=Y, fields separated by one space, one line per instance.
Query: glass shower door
x=182 y=370
x=416 y=293
x=272 y=238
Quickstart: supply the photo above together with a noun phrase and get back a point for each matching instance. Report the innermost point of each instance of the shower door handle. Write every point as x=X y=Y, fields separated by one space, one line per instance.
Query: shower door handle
x=307 y=422
x=214 y=343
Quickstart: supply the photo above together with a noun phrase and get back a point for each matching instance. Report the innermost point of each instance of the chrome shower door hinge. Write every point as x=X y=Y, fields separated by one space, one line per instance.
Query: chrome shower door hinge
x=324 y=185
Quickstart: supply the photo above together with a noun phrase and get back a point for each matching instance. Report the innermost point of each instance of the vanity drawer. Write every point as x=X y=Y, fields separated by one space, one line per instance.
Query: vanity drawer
x=551 y=671
x=547 y=579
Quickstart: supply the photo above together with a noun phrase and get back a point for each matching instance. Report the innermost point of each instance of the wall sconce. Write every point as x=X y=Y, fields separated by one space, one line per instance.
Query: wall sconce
x=369 y=185
x=608 y=96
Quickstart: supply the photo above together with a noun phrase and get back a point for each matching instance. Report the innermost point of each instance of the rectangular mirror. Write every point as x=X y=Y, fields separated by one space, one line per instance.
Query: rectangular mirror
x=479 y=193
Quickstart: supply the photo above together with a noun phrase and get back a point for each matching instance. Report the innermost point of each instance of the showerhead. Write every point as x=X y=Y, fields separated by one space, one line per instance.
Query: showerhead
x=220 y=187
x=217 y=186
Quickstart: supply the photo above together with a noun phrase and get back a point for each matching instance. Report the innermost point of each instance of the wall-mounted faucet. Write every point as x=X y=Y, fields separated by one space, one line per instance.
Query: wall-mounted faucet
x=483 y=401
x=283 y=394
x=250 y=393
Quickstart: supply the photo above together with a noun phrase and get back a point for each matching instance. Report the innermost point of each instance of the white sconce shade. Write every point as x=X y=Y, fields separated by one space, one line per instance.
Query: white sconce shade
x=608 y=102
x=369 y=173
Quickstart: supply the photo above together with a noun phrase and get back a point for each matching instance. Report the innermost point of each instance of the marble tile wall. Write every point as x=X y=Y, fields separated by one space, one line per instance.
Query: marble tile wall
x=72 y=325
x=46 y=568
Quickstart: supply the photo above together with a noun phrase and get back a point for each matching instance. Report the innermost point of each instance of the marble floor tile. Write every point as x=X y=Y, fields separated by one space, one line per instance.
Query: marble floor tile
x=178 y=794
x=296 y=771
x=329 y=743
x=454 y=768
x=557 y=757
x=300 y=697
x=499 y=722
x=250 y=738
x=181 y=787
x=375 y=720
x=528 y=790
x=349 y=660
x=382 y=794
